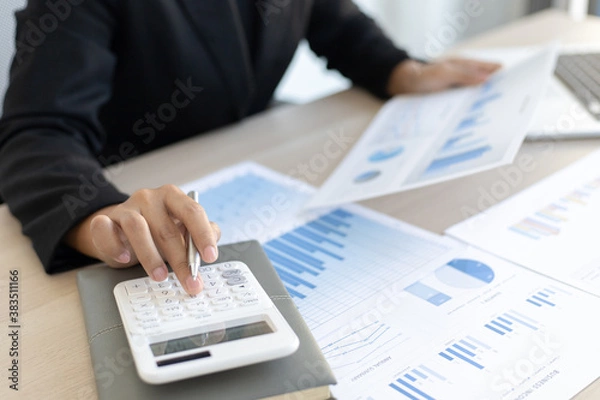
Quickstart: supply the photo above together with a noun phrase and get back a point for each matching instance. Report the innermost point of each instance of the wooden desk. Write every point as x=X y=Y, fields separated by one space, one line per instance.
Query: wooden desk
x=54 y=360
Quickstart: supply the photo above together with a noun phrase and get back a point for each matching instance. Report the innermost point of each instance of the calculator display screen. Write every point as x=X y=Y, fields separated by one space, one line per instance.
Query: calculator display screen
x=209 y=338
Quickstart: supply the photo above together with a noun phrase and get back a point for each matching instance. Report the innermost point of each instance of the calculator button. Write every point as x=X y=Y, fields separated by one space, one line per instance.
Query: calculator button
x=167 y=302
x=192 y=299
x=226 y=266
x=200 y=314
x=198 y=305
x=218 y=292
x=170 y=310
x=212 y=284
x=145 y=315
x=224 y=307
x=222 y=300
x=146 y=321
x=174 y=317
x=249 y=302
x=164 y=293
x=161 y=285
x=211 y=276
x=140 y=298
x=150 y=325
x=204 y=270
x=143 y=306
x=136 y=287
x=236 y=280
x=246 y=295
x=242 y=288
x=231 y=273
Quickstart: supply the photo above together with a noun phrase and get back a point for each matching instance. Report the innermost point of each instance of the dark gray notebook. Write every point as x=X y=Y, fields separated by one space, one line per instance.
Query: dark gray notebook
x=116 y=377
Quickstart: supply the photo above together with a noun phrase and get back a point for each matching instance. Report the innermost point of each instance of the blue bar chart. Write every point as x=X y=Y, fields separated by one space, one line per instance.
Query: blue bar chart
x=321 y=258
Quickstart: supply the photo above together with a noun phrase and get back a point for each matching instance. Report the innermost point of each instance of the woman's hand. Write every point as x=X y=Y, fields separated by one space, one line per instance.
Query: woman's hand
x=149 y=228
x=411 y=76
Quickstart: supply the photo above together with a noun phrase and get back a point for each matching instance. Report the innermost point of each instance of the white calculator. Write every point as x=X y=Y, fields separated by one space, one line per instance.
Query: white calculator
x=231 y=323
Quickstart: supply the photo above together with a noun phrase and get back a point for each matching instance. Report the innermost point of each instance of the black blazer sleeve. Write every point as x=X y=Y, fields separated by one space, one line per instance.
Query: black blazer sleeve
x=50 y=132
x=353 y=44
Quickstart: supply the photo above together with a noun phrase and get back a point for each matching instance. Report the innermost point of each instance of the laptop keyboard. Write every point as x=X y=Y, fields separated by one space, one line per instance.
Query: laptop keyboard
x=581 y=73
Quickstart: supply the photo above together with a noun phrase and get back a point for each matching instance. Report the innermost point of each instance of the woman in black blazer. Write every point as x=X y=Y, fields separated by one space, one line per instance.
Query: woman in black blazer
x=97 y=82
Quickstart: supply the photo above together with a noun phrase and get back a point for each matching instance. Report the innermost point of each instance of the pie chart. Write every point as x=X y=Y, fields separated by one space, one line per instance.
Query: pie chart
x=465 y=274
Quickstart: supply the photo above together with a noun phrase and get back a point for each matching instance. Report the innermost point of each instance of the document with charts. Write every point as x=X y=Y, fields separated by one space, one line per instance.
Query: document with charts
x=401 y=313
x=420 y=140
x=551 y=227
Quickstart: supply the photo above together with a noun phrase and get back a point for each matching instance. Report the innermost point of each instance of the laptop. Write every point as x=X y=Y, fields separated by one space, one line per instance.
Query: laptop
x=571 y=106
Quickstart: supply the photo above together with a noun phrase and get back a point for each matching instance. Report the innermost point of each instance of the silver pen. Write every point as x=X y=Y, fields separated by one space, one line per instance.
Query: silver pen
x=192 y=252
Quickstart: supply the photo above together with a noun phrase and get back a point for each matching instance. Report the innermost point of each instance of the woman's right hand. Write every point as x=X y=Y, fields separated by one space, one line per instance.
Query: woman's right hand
x=149 y=228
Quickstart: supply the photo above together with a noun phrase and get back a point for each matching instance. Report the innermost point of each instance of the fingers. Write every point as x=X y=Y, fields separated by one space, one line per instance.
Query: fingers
x=106 y=237
x=169 y=238
x=193 y=216
x=484 y=67
x=151 y=228
x=136 y=229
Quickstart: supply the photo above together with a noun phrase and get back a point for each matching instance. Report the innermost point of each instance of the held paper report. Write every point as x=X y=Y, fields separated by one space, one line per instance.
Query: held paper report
x=424 y=139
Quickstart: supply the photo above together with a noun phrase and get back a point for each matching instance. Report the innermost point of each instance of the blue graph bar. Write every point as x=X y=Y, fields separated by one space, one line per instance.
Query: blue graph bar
x=499 y=325
x=549 y=291
x=419 y=374
x=427 y=293
x=286 y=262
x=341 y=213
x=467 y=352
x=325 y=229
x=504 y=320
x=446 y=162
x=469 y=345
x=520 y=321
x=404 y=392
x=297 y=254
x=309 y=246
x=446 y=356
x=334 y=222
x=543 y=294
x=410 y=378
x=526 y=318
x=432 y=372
x=480 y=343
x=484 y=100
x=453 y=140
x=293 y=279
x=316 y=237
x=469 y=122
x=534 y=303
x=295 y=293
x=498 y=331
x=538 y=298
x=414 y=389
x=466 y=359
x=524 y=233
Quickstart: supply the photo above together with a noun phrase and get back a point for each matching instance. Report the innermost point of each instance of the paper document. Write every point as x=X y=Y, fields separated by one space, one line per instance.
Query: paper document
x=420 y=140
x=551 y=227
x=402 y=313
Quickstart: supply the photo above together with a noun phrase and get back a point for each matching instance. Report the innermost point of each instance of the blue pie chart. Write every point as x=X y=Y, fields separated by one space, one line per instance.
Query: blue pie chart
x=386 y=154
x=367 y=176
x=465 y=274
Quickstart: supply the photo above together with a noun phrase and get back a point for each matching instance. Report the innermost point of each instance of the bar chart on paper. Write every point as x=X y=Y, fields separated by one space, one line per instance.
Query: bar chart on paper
x=350 y=273
x=322 y=258
x=480 y=348
x=547 y=227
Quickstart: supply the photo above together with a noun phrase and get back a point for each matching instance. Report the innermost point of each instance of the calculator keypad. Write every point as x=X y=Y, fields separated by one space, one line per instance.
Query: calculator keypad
x=227 y=287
